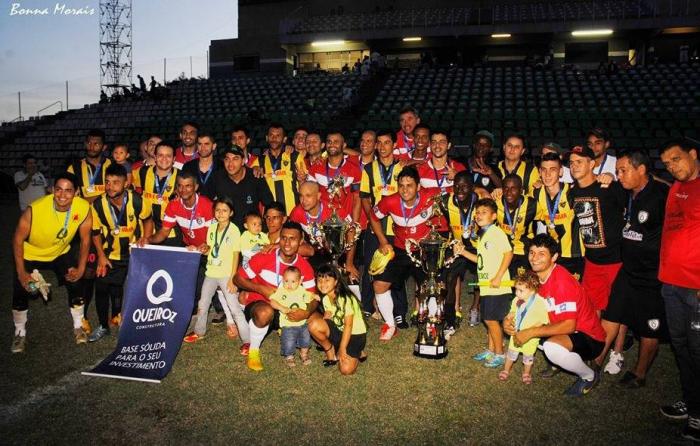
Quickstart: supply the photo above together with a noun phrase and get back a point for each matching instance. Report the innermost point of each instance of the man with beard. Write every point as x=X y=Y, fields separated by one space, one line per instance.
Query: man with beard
x=408 y=120
x=42 y=240
x=679 y=272
x=118 y=220
x=281 y=169
x=599 y=142
x=148 y=154
x=439 y=171
x=310 y=213
x=205 y=164
x=241 y=137
x=188 y=150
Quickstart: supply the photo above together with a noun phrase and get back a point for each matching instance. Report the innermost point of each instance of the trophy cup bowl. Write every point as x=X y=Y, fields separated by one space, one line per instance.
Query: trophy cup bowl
x=332 y=236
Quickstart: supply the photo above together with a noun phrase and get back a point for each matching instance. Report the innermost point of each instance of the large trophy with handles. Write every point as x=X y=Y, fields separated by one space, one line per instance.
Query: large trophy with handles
x=332 y=235
x=430 y=255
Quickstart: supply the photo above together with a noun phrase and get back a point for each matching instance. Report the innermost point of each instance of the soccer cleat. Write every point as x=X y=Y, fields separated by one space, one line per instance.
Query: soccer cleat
x=691 y=431
x=192 y=337
x=675 y=411
x=254 y=363
x=400 y=323
x=116 y=320
x=218 y=319
x=98 y=334
x=448 y=332
x=474 y=318
x=615 y=363
x=87 y=328
x=495 y=362
x=387 y=333
x=581 y=387
x=245 y=348
x=483 y=356
x=80 y=336
x=18 y=344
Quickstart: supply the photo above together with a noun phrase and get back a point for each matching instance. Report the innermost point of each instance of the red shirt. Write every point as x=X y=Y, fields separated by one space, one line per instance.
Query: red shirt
x=404 y=143
x=408 y=222
x=410 y=157
x=305 y=219
x=432 y=177
x=322 y=173
x=181 y=158
x=194 y=225
x=680 y=238
x=251 y=160
x=566 y=299
x=266 y=268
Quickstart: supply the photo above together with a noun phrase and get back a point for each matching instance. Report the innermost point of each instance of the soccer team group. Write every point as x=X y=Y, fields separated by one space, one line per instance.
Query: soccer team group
x=569 y=254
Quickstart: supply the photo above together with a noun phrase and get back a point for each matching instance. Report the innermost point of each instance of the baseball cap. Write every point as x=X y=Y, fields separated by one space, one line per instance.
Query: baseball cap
x=234 y=150
x=486 y=134
x=582 y=151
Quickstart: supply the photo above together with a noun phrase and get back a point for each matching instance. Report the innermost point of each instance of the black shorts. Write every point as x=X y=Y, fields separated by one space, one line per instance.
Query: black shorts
x=60 y=266
x=639 y=306
x=248 y=312
x=399 y=269
x=585 y=346
x=356 y=344
x=91 y=264
x=495 y=308
x=574 y=265
x=115 y=275
x=518 y=265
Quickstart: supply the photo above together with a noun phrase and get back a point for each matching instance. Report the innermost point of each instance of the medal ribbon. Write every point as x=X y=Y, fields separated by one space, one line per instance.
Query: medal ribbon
x=160 y=188
x=217 y=242
x=552 y=211
x=520 y=315
x=193 y=212
x=509 y=219
x=116 y=219
x=63 y=232
x=92 y=177
x=413 y=210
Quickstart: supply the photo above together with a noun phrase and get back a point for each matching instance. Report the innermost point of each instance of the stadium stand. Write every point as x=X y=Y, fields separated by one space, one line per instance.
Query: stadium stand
x=641 y=107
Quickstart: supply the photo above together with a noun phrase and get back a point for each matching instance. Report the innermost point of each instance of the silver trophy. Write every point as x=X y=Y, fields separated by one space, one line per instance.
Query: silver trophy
x=333 y=235
x=430 y=256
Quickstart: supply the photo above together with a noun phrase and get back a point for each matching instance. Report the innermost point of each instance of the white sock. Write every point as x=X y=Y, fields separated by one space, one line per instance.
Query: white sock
x=77 y=314
x=567 y=360
x=256 y=335
x=386 y=307
x=20 y=320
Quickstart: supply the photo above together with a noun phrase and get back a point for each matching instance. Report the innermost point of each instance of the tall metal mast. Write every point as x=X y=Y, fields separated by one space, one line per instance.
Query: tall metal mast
x=115 y=45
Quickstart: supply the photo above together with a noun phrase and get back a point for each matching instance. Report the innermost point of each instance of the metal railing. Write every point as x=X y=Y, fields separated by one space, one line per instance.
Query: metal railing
x=38 y=113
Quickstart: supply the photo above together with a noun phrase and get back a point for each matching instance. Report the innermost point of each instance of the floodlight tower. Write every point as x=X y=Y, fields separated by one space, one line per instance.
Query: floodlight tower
x=115 y=45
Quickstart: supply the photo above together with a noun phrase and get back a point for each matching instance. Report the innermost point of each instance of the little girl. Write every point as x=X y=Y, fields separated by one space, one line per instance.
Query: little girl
x=222 y=250
x=342 y=332
x=528 y=309
x=252 y=239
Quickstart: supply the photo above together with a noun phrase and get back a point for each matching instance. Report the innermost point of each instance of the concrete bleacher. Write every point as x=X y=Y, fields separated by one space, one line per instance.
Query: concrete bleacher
x=641 y=107
x=216 y=104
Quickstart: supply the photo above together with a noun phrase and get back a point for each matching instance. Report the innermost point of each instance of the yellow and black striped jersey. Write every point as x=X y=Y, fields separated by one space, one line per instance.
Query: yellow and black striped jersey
x=517 y=223
x=280 y=174
x=157 y=193
x=91 y=179
x=379 y=181
x=526 y=171
x=461 y=221
x=565 y=227
x=119 y=228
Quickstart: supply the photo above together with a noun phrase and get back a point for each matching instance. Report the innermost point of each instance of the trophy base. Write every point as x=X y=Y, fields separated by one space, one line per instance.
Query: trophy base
x=430 y=351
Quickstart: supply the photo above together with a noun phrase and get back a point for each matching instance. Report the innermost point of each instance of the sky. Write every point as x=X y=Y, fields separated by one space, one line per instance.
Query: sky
x=40 y=52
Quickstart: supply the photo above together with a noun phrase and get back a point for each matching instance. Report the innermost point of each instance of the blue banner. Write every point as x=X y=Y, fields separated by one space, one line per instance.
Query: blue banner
x=158 y=300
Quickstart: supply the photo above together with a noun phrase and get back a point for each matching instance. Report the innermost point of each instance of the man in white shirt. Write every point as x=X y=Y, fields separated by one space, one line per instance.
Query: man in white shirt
x=30 y=182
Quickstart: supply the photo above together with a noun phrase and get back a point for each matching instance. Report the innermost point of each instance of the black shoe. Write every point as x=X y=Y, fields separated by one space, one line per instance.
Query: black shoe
x=676 y=411
x=630 y=381
x=629 y=342
x=550 y=372
x=691 y=431
x=219 y=319
x=329 y=362
x=400 y=323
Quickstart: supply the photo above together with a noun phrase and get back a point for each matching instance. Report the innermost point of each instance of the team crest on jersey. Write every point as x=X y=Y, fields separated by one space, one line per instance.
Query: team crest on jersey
x=249 y=200
x=653 y=324
x=485 y=181
x=642 y=216
x=131 y=218
x=168 y=188
x=521 y=270
x=200 y=220
x=577 y=276
x=424 y=214
x=285 y=163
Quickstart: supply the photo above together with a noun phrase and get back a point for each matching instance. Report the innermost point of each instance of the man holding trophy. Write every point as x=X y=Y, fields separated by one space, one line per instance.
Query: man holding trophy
x=410 y=211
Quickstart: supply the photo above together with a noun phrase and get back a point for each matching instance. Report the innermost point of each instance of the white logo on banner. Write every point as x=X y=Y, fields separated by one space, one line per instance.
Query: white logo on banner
x=165 y=297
